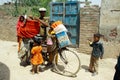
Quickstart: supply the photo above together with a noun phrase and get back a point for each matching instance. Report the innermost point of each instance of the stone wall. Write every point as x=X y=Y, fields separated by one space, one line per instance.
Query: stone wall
x=89 y=24
x=110 y=26
x=110 y=20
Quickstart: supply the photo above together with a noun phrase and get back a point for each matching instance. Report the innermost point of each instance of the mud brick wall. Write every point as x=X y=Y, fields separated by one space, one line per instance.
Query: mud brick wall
x=89 y=24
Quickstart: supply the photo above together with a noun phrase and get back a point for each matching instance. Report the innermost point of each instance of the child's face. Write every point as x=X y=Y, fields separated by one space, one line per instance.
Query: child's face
x=21 y=18
x=35 y=44
x=96 y=38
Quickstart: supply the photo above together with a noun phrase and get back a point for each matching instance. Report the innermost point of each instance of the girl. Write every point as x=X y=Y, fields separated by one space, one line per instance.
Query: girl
x=36 y=55
x=20 y=23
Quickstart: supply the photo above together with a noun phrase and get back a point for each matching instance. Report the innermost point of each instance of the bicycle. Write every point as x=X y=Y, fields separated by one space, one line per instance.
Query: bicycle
x=66 y=62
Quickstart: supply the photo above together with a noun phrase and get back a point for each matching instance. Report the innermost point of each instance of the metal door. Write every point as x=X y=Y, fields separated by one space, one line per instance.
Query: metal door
x=68 y=13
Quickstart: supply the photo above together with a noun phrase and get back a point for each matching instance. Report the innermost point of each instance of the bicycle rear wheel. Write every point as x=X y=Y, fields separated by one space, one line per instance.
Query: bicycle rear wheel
x=68 y=63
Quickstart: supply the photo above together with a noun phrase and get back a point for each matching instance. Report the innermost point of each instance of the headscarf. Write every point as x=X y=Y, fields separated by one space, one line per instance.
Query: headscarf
x=19 y=23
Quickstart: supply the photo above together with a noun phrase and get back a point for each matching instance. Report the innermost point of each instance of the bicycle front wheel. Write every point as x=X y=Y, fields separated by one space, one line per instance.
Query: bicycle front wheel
x=67 y=63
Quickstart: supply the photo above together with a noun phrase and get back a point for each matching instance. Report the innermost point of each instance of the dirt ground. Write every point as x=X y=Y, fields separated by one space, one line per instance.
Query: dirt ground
x=7 y=28
x=11 y=70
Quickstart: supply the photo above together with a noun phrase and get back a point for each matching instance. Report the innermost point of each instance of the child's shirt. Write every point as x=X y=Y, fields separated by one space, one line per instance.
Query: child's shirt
x=98 y=49
x=37 y=56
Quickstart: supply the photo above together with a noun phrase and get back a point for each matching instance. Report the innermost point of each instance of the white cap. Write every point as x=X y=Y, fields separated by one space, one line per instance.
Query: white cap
x=42 y=9
x=25 y=16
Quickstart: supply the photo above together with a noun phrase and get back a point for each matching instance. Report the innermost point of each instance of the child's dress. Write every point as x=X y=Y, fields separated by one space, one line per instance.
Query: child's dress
x=37 y=56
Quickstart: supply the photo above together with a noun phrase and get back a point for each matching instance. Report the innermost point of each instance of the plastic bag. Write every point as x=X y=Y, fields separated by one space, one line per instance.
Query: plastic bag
x=49 y=41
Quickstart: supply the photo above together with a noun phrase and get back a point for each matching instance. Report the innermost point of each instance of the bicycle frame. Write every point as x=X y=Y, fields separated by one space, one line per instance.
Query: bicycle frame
x=59 y=50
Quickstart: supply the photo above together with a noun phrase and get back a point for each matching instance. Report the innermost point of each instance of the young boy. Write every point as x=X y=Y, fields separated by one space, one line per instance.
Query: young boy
x=36 y=55
x=97 y=53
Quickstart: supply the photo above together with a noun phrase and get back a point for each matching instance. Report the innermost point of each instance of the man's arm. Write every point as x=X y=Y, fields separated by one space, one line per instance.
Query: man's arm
x=41 y=21
x=44 y=23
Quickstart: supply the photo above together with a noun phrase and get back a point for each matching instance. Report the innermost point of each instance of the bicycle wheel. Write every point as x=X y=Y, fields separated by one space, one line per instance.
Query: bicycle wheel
x=68 y=63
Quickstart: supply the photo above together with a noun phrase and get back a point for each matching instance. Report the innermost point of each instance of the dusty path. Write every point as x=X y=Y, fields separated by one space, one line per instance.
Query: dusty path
x=8 y=57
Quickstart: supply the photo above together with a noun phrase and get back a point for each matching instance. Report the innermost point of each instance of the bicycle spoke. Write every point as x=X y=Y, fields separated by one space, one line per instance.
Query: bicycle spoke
x=73 y=65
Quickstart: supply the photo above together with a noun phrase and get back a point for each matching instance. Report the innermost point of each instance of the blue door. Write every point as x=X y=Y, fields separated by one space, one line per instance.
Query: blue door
x=68 y=13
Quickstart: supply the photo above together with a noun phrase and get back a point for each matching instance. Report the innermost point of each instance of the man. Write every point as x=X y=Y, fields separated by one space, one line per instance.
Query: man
x=44 y=22
x=43 y=32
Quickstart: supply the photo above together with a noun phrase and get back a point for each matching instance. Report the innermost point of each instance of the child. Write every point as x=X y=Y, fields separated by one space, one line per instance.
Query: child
x=20 y=23
x=97 y=53
x=36 y=55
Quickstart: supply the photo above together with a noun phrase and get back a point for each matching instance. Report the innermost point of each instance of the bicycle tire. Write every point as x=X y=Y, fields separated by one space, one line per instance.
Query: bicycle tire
x=67 y=69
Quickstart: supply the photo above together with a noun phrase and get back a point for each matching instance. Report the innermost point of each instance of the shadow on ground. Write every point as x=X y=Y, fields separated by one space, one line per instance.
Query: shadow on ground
x=4 y=72
x=85 y=67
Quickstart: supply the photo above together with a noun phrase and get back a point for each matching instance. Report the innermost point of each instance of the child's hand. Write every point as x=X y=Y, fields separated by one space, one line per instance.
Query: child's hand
x=89 y=39
x=90 y=43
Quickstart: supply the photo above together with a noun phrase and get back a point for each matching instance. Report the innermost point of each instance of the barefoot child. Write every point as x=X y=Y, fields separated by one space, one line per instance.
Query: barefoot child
x=97 y=53
x=20 y=23
x=36 y=55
